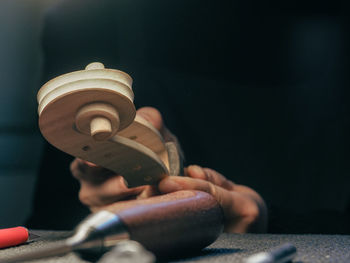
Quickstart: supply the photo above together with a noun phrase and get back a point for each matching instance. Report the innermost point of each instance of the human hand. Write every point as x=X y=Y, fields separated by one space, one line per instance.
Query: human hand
x=243 y=208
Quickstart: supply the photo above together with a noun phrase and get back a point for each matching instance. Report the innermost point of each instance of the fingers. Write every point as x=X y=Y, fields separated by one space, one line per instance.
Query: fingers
x=218 y=179
x=153 y=116
x=225 y=198
x=99 y=186
x=111 y=190
x=241 y=207
x=209 y=175
x=89 y=172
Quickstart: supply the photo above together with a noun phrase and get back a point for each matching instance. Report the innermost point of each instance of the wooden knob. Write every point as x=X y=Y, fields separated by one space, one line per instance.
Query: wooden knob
x=95 y=65
x=99 y=120
x=100 y=128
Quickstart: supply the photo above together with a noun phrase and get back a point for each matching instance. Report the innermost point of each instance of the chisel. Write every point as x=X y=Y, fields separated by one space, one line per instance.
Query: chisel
x=175 y=223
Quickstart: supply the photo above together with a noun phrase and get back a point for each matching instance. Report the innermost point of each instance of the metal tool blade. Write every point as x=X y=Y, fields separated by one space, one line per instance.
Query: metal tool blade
x=32 y=236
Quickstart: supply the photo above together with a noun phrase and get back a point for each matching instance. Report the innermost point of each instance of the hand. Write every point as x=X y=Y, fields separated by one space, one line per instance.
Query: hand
x=243 y=208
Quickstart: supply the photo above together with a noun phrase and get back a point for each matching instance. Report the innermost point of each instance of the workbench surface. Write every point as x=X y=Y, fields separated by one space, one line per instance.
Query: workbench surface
x=228 y=248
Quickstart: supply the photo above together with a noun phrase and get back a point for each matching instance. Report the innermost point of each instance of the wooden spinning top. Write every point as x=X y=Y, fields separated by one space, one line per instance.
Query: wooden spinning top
x=90 y=114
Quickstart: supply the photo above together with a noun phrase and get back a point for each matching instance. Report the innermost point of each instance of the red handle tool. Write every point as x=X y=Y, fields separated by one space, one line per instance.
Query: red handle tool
x=13 y=236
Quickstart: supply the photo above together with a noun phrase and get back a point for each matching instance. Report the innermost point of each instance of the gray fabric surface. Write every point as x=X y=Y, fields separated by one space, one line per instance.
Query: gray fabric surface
x=228 y=248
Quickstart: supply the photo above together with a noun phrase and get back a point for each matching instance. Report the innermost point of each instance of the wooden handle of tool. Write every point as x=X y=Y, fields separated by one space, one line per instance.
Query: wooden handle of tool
x=178 y=222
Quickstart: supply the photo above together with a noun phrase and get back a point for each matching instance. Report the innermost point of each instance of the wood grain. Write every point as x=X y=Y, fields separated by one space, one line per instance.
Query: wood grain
x=179 y=222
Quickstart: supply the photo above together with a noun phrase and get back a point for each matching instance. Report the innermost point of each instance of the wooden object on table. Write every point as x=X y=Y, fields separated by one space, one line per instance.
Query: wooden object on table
x=168 y=225
x=90 y=114
x=174 y=223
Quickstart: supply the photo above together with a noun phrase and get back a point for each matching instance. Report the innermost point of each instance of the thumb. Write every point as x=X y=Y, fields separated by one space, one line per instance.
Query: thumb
x=240 y=210
x=176 y=183
x=153 y=116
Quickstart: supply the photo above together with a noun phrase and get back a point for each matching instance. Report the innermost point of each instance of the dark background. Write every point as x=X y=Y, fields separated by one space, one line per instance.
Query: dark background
x=20 y=74
x=257 y=90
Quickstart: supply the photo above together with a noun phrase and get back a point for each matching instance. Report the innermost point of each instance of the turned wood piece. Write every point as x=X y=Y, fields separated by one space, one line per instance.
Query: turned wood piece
x=179 y=222
x=99 y=120
x=90 y=114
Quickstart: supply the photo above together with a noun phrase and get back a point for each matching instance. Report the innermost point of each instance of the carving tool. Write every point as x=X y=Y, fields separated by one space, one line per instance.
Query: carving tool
x=171 y=224
x=14 y=236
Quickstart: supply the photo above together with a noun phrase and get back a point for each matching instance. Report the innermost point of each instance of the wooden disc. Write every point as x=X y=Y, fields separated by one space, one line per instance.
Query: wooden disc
x=93 y=74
